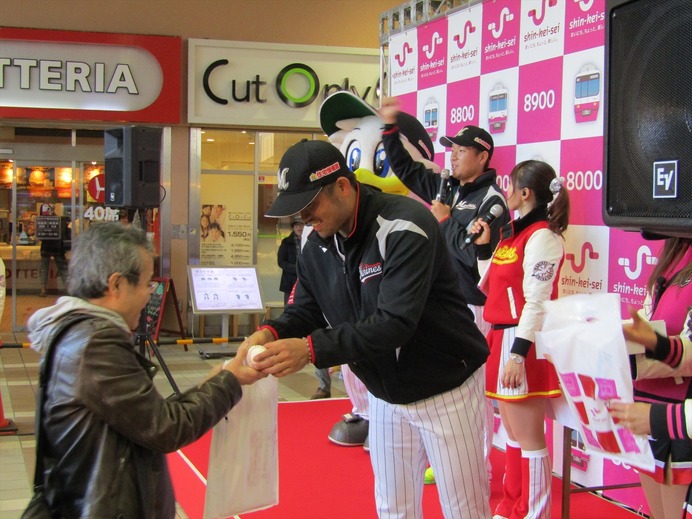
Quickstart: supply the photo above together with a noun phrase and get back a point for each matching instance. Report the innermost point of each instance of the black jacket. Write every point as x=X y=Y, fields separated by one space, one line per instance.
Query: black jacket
x=286 y=257
x=468 y=202
x=387 y=301
x=108 y=429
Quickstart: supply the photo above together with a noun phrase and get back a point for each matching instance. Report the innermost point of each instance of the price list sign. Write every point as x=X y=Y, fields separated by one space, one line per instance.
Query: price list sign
x=224 y=289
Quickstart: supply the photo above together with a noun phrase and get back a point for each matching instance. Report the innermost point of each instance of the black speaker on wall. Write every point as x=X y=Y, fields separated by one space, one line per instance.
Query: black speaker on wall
x=648 y=117
x=133 y=166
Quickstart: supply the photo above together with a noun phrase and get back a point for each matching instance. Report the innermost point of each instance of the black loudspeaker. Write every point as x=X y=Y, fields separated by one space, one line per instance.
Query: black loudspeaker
x=133 y=164
x=648 y=117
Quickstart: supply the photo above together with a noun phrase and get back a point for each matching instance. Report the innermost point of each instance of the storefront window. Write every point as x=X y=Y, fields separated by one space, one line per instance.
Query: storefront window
x=43 y=204
x=235 y=153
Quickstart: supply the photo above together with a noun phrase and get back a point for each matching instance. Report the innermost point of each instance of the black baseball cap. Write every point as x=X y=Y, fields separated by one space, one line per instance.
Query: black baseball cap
x=472 y=136
x=416 y=134
x=304 y=170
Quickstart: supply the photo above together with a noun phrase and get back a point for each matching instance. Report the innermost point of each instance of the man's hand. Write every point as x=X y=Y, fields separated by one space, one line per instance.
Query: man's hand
x=440 y=210
x=236 y=365
x=283 y=357
x=389 y=109
x=633 y=416
x=259 y=338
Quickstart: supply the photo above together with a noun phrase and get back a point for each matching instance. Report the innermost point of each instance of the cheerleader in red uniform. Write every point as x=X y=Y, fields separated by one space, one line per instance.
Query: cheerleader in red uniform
x=521 y=273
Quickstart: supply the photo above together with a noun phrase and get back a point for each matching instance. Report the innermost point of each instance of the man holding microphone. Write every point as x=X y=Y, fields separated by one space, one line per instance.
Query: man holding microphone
x=471 y=193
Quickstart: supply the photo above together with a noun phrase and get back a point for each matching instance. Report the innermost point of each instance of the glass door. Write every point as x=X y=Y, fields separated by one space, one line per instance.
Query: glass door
x=38 y=199
x=42 y=206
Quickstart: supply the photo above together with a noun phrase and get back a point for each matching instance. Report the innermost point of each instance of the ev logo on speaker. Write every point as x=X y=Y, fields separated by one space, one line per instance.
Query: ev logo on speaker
x=666 y=179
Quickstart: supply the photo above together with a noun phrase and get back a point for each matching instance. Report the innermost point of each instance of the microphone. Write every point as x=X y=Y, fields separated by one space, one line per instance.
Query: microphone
x=495 y=211
x=444 y=185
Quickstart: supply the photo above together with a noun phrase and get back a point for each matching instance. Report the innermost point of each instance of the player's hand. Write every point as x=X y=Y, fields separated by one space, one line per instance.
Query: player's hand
x=236 y=365
x=440 y=210
x=283 y=357
x=389 y=109
x=633 y=416
x=259 y=338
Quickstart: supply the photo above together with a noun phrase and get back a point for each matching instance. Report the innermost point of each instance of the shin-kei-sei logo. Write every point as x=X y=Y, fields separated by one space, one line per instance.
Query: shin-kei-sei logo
x=505 y=16
x=538 y=18
x=643 y=257
x=401 y=57
x=460 y=39
x=587 y=250
x=584 y=5
x=369 y=271
x=429 y=49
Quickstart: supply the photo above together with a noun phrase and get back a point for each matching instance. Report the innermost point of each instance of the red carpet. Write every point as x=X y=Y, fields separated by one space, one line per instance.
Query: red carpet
x=319 y=480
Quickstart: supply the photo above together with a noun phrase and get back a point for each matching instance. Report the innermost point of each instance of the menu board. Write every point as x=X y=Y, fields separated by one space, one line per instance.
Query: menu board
x=49 y=228
x=154 y=308
x=224 y=290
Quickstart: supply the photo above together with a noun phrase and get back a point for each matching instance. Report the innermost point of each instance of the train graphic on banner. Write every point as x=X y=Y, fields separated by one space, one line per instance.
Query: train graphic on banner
x=587 y=94
x=497 y=109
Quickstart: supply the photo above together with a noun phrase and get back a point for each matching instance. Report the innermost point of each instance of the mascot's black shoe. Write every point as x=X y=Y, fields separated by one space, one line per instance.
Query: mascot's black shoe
x=352 y=431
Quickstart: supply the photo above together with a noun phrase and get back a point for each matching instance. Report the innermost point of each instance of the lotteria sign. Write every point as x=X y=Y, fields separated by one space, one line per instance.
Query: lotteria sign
x=47 y=74
x=271 y=85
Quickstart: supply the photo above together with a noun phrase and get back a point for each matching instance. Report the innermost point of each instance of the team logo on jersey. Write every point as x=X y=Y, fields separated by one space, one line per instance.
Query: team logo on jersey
x=505 y=255
x=369 y=271
x=466 y=205
x=543 y=270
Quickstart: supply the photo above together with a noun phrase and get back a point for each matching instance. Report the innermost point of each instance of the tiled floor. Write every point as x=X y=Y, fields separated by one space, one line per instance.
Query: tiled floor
x=18 y=380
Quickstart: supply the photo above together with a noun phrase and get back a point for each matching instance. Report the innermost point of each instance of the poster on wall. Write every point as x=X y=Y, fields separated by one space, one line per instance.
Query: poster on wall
x=227 y=232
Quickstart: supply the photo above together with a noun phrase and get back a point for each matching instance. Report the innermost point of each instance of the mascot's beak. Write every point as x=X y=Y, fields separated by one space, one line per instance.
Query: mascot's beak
x=390 y=184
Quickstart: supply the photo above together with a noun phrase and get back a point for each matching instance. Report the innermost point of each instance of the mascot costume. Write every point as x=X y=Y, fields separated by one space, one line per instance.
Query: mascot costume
x=355 y=128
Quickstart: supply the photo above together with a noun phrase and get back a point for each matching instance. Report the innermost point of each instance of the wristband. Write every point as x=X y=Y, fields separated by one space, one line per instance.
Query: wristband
x=307 y=346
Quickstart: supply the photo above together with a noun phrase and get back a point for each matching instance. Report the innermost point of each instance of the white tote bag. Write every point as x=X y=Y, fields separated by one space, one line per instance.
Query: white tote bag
x=583 y=336
x=244 y=455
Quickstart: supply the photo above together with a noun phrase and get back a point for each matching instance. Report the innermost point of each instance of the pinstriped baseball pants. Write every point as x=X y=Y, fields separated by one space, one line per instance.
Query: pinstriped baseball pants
x=448 y=431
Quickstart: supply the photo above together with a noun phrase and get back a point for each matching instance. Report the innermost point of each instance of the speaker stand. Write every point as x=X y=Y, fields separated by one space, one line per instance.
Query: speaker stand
x=144 y=341
x=142 y=337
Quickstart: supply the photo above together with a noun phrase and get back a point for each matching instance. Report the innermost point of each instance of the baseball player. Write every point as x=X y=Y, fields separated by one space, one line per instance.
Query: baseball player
x=376 y=289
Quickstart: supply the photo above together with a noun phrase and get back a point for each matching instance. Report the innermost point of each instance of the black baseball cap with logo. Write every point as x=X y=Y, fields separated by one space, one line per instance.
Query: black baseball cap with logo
x=304 y=170
x=471 y=136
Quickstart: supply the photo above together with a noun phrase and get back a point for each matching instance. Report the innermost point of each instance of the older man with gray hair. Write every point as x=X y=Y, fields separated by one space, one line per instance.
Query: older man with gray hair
x=105 y=427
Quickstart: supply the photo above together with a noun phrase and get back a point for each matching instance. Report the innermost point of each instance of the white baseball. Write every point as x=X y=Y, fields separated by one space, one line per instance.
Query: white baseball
x=250 y=358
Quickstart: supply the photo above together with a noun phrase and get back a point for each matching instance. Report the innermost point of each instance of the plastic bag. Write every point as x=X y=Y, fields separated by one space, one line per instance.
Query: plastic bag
x=243 y=471
x=583 y=336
